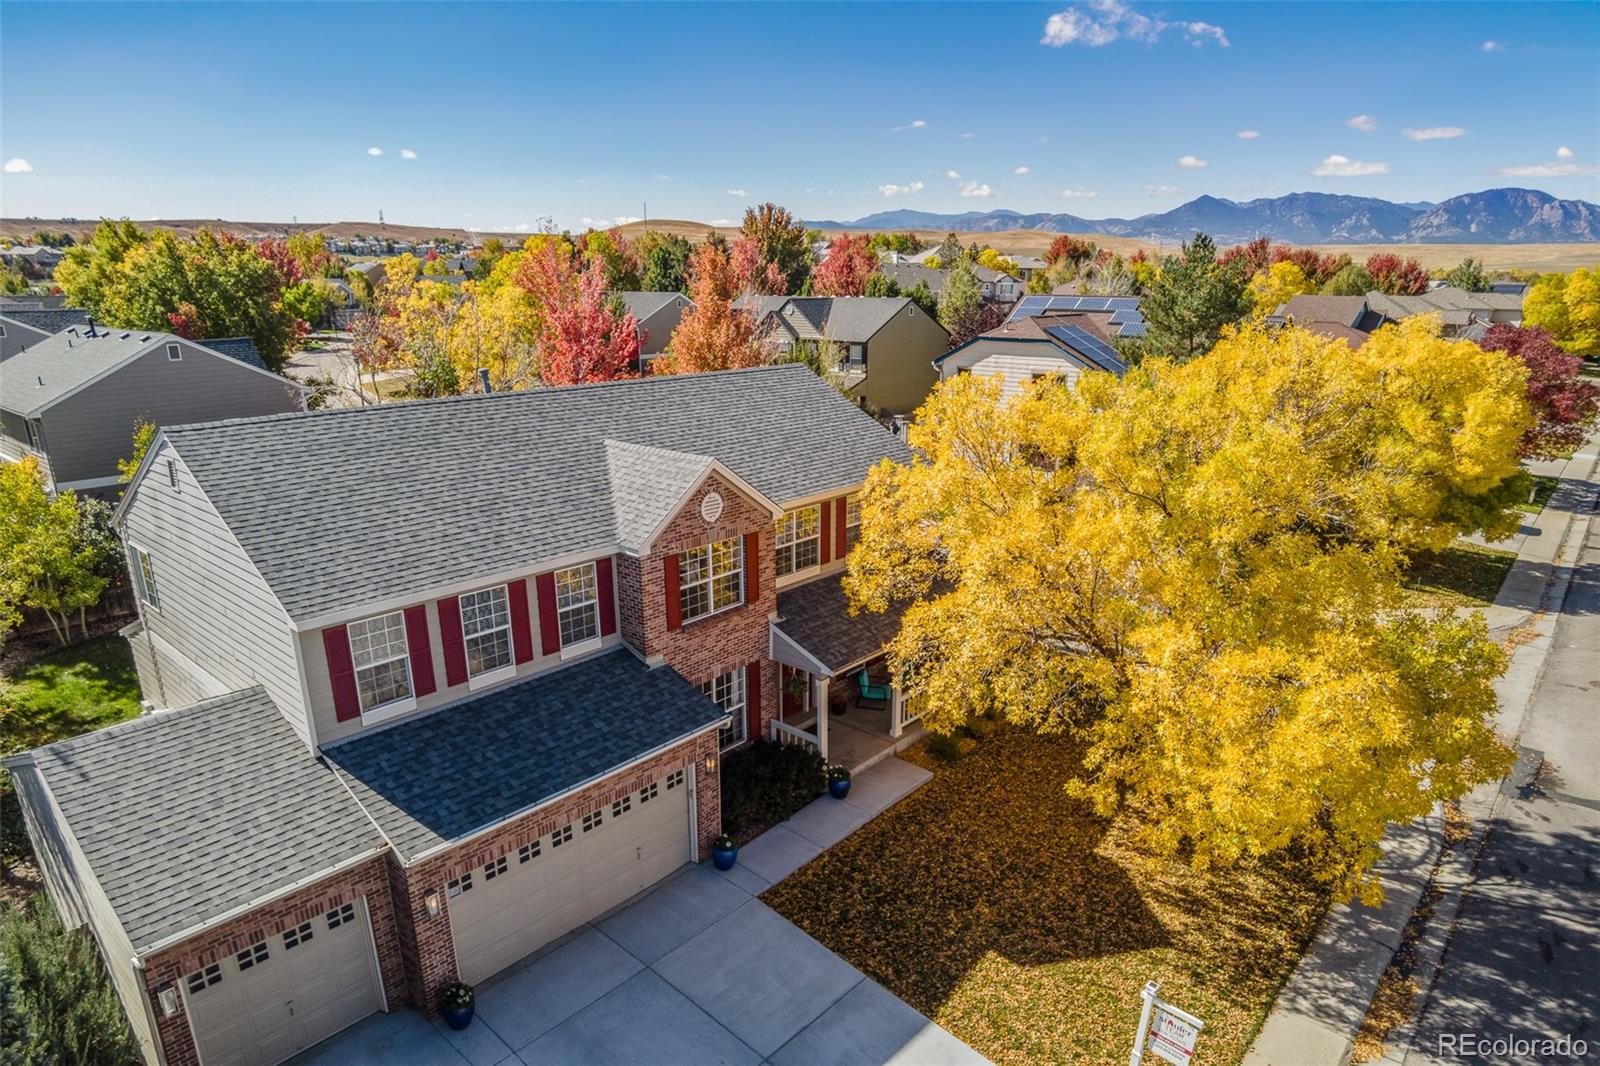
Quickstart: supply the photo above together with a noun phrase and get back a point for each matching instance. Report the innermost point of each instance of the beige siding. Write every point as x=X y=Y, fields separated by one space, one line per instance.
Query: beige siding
x=900 y=359
x=218 y=628
x=1016 y=362
x=89 y=431
x=319 y=682
x=79 y=899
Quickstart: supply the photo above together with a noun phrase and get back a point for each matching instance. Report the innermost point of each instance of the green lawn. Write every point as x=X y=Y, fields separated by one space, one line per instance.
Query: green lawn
x=67 y=692
x=1009 y=914
x=1463 y=575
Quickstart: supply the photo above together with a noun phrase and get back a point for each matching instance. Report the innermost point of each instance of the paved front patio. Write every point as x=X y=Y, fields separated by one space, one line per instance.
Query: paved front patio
x=697 y=970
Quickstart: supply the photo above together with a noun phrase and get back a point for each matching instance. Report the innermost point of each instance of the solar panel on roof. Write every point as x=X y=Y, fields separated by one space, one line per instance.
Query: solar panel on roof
x=1134 y=329
x=1080 y=340
x=1125 y=303
x=1119 y=318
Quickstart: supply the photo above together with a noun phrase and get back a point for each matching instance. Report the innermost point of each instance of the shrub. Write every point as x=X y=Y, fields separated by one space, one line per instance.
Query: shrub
x=766 y=783
x=944 y=746
x=58 y=998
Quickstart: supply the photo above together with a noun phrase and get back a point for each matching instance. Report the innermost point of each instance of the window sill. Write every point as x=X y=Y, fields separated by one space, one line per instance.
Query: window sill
x=491 y=677
x=697 y=619
x=583 y=647
x=388 y=712
x=797 y=577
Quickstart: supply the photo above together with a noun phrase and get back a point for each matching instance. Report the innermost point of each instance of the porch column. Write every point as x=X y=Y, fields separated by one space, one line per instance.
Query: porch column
x=822 y=717
x=897 y=712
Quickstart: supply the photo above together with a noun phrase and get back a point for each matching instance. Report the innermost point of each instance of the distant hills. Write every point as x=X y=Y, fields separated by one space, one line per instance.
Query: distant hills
x=1494 y=216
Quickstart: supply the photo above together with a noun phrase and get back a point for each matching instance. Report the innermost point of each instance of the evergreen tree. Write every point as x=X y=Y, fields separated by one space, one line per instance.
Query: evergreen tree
x=1192 y=299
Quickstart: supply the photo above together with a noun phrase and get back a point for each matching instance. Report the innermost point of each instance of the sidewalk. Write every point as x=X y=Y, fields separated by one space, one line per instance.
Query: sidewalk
x=1317 y=1014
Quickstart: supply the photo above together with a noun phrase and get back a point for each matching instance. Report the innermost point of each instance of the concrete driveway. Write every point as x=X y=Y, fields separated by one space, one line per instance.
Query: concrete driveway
x=695 y=971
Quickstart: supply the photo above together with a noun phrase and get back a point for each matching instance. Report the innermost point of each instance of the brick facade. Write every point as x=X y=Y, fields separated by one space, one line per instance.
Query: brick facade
x=369 y=879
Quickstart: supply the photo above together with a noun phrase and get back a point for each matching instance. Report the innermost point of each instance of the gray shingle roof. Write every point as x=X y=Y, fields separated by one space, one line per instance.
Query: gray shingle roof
x=65 y=361
x=240 y=348
x=817 y=617
x=646 y=485
x=848 y=319
x=48 y=319
x=645 y=304
x=346 y=507
x=440 y=777
x=1342 y=310
x=185 y=815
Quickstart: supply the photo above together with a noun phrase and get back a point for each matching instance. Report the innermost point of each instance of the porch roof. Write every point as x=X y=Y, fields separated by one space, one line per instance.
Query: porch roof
x=816 y=618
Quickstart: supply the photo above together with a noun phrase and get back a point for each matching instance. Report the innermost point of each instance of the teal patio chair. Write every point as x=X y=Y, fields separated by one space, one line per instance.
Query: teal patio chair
x=866 y=690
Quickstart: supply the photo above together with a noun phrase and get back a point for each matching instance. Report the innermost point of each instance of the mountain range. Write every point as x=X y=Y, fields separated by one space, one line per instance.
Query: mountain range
x=1494 y=216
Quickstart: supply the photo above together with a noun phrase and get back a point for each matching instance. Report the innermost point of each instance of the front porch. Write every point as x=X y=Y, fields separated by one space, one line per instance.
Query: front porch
x=835 y=693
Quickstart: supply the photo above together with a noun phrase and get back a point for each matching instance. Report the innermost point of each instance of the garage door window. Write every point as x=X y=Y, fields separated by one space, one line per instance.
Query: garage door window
x=459 y=885
x=561 y=836
x=251 y=955
x=492 y=870
x=528 y=852
x=649 y=792
x=300 y=934
x=201 y=980
x=341 y=916
x=593 y=820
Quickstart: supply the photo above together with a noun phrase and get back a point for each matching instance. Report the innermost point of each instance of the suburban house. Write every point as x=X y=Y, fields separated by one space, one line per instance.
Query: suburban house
x=436 y=682
x=658 y=314
x=1464 y=314
x=1124 y=321
x=21 y=327
x=1349 y=318
x=997 y=286
x=37 y=260
x=1055 y=344
x=72 y=398
x=885 y=344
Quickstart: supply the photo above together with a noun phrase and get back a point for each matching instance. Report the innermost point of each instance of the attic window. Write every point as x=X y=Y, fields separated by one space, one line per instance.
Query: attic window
x=174 y=353
x=172 y=473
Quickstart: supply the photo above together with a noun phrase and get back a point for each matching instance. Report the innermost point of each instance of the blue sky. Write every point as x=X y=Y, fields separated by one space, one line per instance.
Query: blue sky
x=495 y=116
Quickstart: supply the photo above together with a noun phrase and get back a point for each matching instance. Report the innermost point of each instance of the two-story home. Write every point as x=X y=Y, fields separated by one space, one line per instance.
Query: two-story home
x=658 y=314
x=437 y=682
x=72 y=398
x=23 y=327
x=1055 y=344
x=997 y=286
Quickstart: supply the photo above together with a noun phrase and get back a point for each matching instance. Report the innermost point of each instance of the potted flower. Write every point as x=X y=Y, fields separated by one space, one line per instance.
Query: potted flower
x=456 y=1002
x=724 y=852
x=838 y=782
x=796 y=685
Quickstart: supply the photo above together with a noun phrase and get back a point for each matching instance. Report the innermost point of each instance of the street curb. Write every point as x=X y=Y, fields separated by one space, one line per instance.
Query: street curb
x=1314 y=1019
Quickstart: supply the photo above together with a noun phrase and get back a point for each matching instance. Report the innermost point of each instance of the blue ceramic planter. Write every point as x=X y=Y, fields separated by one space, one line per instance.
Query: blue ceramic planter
x=838 y=789
x=724 y=858
x=457 y=1019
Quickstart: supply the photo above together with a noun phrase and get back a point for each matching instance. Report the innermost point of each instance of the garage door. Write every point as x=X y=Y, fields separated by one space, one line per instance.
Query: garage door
x=525 y=898
x=286 y=993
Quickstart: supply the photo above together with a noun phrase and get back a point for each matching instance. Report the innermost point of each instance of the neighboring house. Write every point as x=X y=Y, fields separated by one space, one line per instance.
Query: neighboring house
x=1464 y=314
x=72 y=398
x=1349 y=318
x=32 y=301
x=22 y=327
x=658 y=314
x=997 y=286
x=40 y=259
x=885 y=344
x=448 y=679
x=1509 y=288
x=1054 y=344
x=1125 y=320
x=1027 y=265
x=372 y=270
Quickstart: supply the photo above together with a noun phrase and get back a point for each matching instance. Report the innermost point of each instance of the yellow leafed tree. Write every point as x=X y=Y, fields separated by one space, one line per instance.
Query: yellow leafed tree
x=1196 y=570
x=1272 y=287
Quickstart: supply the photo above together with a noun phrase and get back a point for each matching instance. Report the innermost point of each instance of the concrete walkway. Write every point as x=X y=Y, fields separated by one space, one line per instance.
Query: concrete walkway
x=695 y=971
x=1317 y=1014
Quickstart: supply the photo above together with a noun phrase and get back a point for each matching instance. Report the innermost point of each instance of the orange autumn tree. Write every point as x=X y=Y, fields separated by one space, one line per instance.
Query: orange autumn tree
x=713 y=335
x=850 y=262
x=583 y=337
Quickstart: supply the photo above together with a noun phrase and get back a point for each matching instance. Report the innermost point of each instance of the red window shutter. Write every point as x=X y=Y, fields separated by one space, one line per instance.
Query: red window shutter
x=674 y=608
x=455 y=647
x=342 y=670
x=608 y=597
x=752 y=699
x=421 y=650
x=825 y=542
x=521 y=627
x=752 y=567
x=549 y=625
x=839 y=511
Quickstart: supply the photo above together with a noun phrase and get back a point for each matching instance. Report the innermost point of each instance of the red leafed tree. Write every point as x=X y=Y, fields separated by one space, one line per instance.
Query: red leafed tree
x=1564 y=405
x=582 y=338
x=186 y=321
x=713 y=334
x=277 y=253
x=1070 y=248
x=1255 y=256
x=754 y=272
x=1395 y=277
x=850 y=262
x=1317 y=266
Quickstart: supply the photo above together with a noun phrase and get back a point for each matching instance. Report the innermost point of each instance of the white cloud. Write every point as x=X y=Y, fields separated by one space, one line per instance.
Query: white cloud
x=1247 y=135
x=1364 y=123
x=1561 y=153
x=524 y=227
x=1339 y=166
x=917 y=124
x=976 y=191
x=1549 y=170
x=740 y=193
x=406 y=153
x=374 y=151
x=1189 y=162
x=953 y=175
x=1492 y=46
x=1020 y=170
x=723 y=222
x=1041 y=140
x=1079 y=194
x=901 y=190
x=1106 y=21
x=1433 y=133
x=18 y=166
x=914 y=124
x=1162 y=190
x=968 y=136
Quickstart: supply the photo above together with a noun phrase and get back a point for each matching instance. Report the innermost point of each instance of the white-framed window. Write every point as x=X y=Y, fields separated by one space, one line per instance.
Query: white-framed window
x=711 y=578
x=382 y=659
x=577 y=604
x=799 y=540
x=174 y=352
x=35 y=436
x=486 y=627
x=144 y=577
x=727 y=691
x=852 y=521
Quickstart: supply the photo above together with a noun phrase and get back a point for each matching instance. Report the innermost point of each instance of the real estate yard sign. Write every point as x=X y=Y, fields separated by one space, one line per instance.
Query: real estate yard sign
x=1164 y=1029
